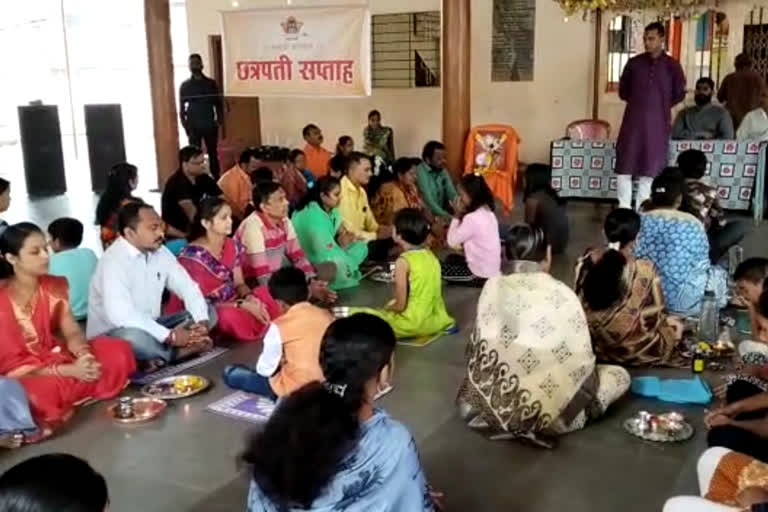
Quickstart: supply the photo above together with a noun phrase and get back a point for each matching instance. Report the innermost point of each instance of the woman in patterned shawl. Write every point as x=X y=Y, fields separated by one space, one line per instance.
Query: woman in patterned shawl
x=728 y=482
x=623 y=301
x=531 y=372
x=677 y=244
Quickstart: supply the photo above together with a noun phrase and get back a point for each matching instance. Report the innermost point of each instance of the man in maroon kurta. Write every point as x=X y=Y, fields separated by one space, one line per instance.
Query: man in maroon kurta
x=651 y=84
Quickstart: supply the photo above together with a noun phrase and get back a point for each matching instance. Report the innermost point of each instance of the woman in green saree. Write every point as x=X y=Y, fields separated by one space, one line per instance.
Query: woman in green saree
x=318 y=227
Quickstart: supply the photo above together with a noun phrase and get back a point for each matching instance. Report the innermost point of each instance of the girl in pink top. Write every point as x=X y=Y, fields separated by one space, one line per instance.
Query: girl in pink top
x=475 y=228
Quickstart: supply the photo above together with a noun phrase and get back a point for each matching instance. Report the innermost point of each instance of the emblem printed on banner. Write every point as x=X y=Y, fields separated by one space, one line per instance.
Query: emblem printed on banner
x=730 y=148
x=750 y=170
x=723 y=192
x=557 y=162
x=291 y=26
x=577 y=162
x=612 y=184
x=596 y=162
x=557 y=183
x=595 y=183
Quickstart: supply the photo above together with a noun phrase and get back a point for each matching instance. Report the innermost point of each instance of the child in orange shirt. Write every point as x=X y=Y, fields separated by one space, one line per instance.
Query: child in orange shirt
x=290 y=356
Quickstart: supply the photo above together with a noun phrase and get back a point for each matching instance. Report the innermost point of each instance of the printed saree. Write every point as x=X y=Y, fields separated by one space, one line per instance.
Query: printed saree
x=676 y=243
x=216 y=278
x=393 y=197
x=529 y=360
x=634 y=331
x=29 y=344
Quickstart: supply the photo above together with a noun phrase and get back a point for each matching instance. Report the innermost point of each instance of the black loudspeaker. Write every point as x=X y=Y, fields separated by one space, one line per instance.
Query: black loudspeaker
x=41 y=148
x=106 y=142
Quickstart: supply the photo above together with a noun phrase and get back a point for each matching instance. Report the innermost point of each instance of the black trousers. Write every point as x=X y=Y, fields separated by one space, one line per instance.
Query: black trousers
x=723 y=238
x=735 y=438
x=209 y=135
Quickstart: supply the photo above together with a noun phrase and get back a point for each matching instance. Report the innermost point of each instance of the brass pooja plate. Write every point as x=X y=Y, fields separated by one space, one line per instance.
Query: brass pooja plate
x=144 y=409
x=175 y=387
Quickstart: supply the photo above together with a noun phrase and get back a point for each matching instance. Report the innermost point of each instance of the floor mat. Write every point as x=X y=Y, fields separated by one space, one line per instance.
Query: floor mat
x=167 y=371
x=243 y=406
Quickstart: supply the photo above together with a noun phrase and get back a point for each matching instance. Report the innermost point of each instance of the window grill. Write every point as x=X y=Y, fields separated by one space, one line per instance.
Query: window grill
x=406 y=50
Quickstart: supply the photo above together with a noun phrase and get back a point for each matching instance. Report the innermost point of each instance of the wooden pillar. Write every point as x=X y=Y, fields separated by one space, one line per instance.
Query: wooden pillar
x=455 y=81
x=157 y=20
x=597 y=65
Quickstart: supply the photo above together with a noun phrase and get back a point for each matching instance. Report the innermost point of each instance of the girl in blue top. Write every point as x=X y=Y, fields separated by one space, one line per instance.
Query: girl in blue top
x=326 y=448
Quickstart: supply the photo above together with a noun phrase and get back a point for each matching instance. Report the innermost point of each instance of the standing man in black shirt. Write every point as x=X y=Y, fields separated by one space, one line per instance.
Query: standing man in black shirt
x=200 y=110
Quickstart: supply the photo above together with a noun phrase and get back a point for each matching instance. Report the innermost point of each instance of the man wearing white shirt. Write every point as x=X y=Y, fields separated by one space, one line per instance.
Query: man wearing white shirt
x=755 y=123
x=126 y=293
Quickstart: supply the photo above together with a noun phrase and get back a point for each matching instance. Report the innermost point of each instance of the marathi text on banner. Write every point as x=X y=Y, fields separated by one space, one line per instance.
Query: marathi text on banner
x=282 y=69
x=297 y=52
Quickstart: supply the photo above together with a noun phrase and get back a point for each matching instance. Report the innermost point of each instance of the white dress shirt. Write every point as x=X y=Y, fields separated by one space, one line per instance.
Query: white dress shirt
x=754 y=126
x=271 y=353
x=127 y=290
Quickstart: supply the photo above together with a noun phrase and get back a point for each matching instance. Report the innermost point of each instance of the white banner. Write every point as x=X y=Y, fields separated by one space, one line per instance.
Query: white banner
x=324 y=51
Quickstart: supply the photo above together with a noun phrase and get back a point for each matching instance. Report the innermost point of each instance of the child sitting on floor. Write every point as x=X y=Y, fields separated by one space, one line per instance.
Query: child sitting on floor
x=701 y=201
x=418 y=308
x=76 y=264
x=290 y=357
x=475 y=229
x=544 y=208
x=750 y=278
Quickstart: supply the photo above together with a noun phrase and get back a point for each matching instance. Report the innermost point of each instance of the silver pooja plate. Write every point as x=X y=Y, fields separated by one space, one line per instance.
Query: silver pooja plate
x=634 y=426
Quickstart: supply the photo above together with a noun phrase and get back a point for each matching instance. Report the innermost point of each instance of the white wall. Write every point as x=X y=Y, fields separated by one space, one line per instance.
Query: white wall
x=415 y=114
x=539 y=110
x=560 y=91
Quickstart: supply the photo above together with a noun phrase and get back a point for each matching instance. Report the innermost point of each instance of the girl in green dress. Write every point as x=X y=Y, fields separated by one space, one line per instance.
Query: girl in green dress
x=324 y=239
x=418 y=308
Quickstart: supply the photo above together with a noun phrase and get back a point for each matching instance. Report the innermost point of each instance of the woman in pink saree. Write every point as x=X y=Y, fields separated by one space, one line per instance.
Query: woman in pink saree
x=213 y=260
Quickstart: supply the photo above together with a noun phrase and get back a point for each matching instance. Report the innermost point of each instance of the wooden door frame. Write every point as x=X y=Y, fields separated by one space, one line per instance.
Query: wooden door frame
x=216 y=64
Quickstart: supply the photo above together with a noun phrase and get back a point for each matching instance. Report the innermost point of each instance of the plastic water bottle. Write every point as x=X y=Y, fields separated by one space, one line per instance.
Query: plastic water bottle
x=709 y=318
x=735 y=257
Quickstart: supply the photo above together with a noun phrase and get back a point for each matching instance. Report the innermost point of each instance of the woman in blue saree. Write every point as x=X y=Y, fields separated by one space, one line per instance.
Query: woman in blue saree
x=325 y=448
x=676 y=242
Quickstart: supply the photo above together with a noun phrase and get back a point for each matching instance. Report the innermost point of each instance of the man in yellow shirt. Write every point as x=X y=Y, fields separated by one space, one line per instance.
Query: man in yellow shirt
x=236 y=183
x=356 y=214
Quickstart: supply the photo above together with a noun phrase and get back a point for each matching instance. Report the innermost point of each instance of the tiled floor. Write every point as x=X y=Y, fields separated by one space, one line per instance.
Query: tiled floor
x=188 y=461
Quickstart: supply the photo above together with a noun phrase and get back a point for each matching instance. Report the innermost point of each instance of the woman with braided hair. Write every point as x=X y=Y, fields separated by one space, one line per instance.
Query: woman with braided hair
x=326 y=448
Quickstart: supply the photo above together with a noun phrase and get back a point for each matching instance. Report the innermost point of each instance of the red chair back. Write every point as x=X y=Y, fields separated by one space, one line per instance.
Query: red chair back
x=588 y=129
